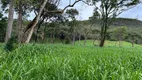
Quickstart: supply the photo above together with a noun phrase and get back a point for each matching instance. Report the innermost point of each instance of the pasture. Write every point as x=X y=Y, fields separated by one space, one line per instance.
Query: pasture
x=68 y=62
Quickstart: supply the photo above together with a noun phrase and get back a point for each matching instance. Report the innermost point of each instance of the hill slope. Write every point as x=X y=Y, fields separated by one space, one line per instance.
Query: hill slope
x=133 y=23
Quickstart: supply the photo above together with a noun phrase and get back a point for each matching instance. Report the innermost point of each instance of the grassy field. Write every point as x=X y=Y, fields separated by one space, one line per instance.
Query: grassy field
x=68 y=62
x=109 y=44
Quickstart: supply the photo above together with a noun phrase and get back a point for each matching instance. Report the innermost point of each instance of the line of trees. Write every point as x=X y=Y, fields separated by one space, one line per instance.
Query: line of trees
x=41 y=8
x=109 y=10
x=47 y=11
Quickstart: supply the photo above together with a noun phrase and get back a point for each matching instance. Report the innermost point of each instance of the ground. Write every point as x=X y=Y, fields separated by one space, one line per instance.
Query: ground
x=68 y=62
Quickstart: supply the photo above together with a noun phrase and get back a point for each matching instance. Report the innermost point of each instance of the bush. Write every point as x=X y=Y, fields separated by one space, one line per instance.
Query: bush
x=11 y=44
x=67 y=41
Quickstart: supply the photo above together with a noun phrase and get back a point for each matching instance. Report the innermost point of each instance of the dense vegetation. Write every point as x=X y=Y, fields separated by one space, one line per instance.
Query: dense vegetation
x=2 y=27
x=61 y=33
x=48 y=12
x=67 y=62
x=85 y=29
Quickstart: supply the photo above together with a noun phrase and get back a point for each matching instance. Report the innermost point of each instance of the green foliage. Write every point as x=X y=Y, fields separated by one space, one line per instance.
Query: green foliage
x=67 y=41
x=11 y=44
x=119 y=33
x=109 y=10
x=2 y=27
x=66 y=62
x=134 y=36
x=96 y=16
x=72 y=13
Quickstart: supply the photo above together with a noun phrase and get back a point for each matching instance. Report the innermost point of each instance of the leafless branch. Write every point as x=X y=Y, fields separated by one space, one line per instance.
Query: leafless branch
x=70 y=5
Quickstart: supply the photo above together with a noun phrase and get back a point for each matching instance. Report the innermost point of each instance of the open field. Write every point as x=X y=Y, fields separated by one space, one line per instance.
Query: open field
x=68 y=62
x=109 y=44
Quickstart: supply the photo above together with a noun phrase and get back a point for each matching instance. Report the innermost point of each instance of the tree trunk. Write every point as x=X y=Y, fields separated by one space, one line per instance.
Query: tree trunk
x=53 y=38
x=19 y=27
x=26 y=30
x=94 y=42
x=44 y=36
x=102 y=42
x=10 y=21
x=119 y=43
x=37 y=31
x=79 y=38
x=85 y=40
x=36 y=21
x=120 y=39
x=104 y=30
x=103 y=36
x=115 y=43
x=73 y=39
x=133 y=43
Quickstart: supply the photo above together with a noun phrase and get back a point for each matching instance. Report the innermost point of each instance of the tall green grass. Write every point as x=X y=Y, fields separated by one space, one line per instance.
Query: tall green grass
x=67 y=62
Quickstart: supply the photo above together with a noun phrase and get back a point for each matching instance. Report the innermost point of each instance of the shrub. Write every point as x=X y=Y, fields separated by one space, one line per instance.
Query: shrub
x=11 y=44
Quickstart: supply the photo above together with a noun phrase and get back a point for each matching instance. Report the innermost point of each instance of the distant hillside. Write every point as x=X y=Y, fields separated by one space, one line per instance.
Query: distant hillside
x=133 y=23
x=134 y=27
x=127 y=22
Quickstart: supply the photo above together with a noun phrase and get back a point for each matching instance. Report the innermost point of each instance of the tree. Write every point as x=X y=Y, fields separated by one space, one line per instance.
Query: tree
x=96 y=16
x=31 y=26
x=10 y=21
x=79 y=31
x=72 y=13
x=95 y=35
x=55 y=28
x=94 y=32
x=120 y=33
x=86 y=31
x=22 y=8
x=110 y=9
x=36 y=21
x=133 y=37
x=20 y=15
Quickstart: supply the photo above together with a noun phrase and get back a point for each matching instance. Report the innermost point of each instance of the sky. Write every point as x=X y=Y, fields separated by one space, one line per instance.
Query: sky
x=86 y=11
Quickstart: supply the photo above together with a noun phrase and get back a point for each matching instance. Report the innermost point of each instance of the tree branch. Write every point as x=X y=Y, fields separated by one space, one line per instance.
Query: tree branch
x=70 y=5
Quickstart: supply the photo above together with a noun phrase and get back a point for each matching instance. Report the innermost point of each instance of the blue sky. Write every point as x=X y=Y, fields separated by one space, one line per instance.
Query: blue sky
x=135 y=12
x=86 y=11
